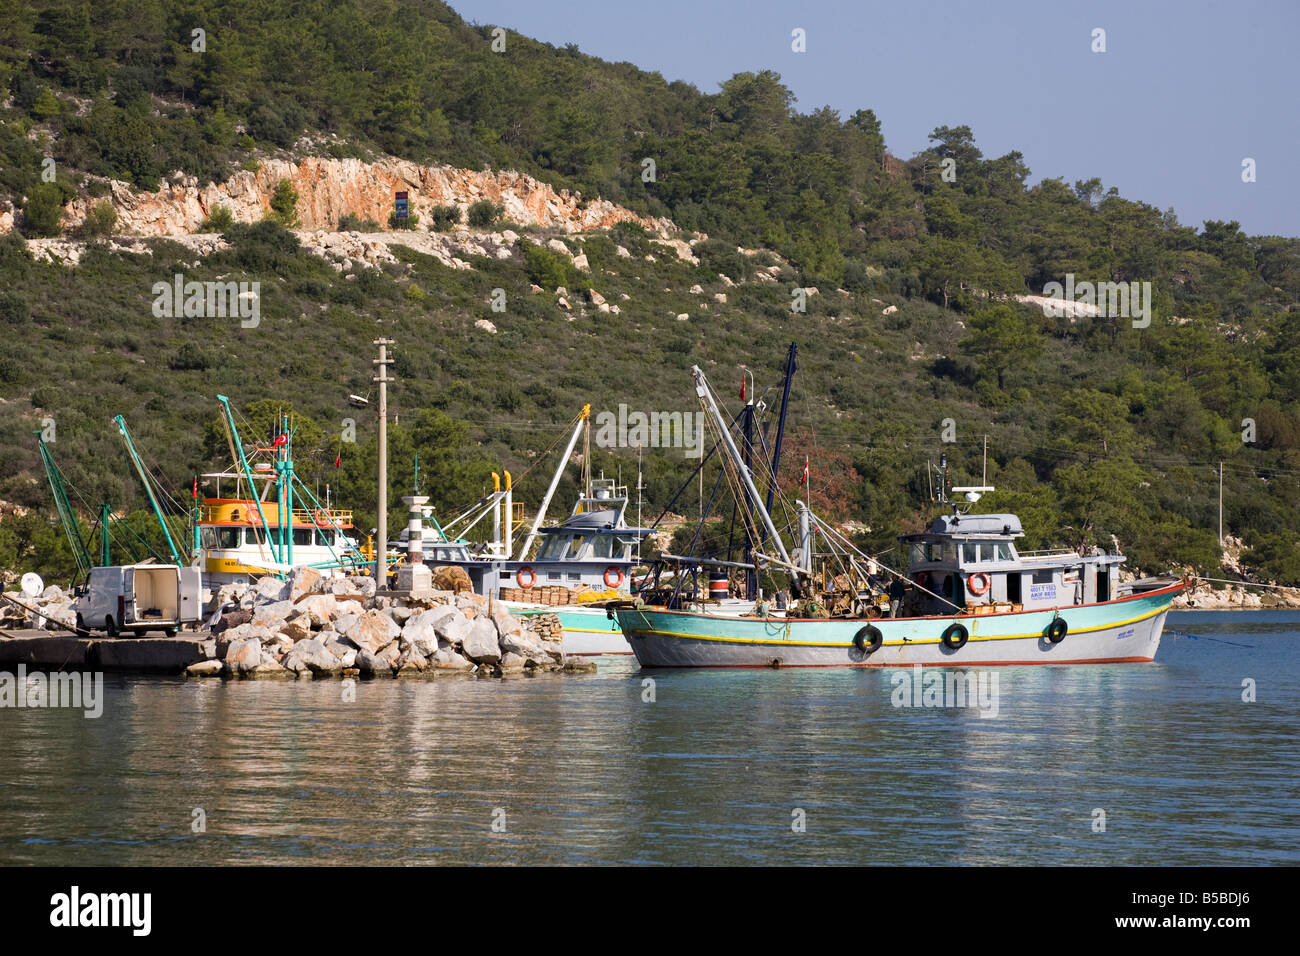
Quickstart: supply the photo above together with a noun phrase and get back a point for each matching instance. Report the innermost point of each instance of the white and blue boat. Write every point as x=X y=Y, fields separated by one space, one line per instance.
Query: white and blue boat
x=968 y=597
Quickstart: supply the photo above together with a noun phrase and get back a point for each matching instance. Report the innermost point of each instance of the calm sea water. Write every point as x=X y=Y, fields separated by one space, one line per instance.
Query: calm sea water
x=723 y=767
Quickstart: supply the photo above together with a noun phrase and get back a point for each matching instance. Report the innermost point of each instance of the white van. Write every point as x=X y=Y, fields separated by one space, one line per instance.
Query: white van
x=140 y=597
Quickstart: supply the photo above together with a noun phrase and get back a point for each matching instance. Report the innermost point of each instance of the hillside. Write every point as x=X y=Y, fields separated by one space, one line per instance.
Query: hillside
x=1094 y=427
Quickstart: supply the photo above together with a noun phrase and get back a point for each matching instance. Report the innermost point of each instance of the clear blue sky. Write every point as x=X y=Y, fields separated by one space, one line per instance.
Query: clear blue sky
x=1185 y=91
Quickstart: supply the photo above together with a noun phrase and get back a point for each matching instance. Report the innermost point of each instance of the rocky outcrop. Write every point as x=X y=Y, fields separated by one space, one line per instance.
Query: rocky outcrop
x=331 y=188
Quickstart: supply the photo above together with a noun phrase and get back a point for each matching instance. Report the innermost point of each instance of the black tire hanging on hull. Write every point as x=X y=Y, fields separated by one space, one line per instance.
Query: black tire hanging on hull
x=869 y=639
x=955 y=637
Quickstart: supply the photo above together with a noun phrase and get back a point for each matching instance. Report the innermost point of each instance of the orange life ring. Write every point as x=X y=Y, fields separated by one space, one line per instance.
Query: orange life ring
x=983 y=586
x=532 y=577
x=618 y=576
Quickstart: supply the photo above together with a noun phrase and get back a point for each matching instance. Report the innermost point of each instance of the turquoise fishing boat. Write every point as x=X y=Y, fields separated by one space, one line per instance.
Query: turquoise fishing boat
x=968 y=597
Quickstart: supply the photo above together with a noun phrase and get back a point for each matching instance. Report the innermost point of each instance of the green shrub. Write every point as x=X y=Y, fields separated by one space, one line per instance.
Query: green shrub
x=724 y=258
x=219 y=220
x=409 y=222
x=43 y=213
x=546 y=268
x=99 y=222
x=349 y=222
x=483 y=214
x=445 y=217
x=284 y=204
x=190 y=358
x=13 y=309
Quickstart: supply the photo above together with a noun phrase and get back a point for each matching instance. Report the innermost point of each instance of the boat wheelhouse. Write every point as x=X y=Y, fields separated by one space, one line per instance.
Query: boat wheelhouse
x=236 y=546
x=971 y=561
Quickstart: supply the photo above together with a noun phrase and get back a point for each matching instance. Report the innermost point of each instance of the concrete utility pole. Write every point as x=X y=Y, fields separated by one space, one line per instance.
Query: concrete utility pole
x=1220 y=504
x=381 y=544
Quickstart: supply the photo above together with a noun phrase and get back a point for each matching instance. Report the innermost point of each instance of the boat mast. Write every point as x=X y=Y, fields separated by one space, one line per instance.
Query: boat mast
x=583 y=416
x=706 y=398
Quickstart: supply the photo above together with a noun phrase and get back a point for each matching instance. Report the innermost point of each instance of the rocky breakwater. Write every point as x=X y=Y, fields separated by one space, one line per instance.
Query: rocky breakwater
x=311 y=626
x=54 y=603
x=1204 y=596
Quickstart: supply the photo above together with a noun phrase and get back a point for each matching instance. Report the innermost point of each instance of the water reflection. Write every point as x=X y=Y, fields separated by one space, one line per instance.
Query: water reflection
x=715 y=770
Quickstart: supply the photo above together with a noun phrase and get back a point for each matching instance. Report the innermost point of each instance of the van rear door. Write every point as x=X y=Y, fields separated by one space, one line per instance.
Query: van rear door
x=125 y=613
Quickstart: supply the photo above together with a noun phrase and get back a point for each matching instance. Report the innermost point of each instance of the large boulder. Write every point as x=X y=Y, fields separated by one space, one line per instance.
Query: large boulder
x=303 y=581
x=372 y=631
x=362 y=585
x=528 y=647
x=319 y=608
x=505 y=622
x=513 y=663
x=269 y=668
x=315 y=656
x=446 y=660
x=480 y=644
x=421 y=629
x=243 y=656
x=273 y=613
x=453 y=627
x=270 y=589
x=297 y=627
x=231 y=619
x=345 y=653
x=373 y=664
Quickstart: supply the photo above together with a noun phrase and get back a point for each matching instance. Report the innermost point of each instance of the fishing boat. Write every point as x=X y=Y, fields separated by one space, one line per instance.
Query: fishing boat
x=968 y=597
x=579 y=564
x=263 y=528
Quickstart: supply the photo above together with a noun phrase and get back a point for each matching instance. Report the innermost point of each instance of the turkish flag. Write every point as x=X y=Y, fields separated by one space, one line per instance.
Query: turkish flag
x=280 y=440
x=742 y=386
x=803 y=480
x=338 y=460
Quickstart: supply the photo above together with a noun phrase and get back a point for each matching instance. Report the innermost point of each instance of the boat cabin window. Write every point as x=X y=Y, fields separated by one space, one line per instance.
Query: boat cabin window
x=969 y=553
x=575 y=545
x=603 y=546
x=1003 y=552
x=301 y=536
x=944 y=551
x=552 y=548
x=220 y=538
x=1043 y=577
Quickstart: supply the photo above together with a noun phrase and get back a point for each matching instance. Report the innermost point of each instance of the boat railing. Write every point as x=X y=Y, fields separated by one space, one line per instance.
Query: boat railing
x=1048 y=553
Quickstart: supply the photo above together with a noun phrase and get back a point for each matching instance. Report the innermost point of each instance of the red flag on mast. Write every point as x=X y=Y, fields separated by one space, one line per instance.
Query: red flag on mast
x=742 y=386
x=803 y=480
x=338 y=459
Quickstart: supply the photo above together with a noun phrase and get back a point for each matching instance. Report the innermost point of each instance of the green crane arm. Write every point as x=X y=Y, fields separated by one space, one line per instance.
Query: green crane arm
x=64 y=508
x=248 y=474
x=148 y=488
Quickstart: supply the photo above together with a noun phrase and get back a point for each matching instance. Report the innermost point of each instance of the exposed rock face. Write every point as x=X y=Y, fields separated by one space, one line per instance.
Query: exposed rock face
x=330 y=188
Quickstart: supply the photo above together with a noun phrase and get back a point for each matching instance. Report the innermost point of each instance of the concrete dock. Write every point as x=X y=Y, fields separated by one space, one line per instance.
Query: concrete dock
x=53 y=651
